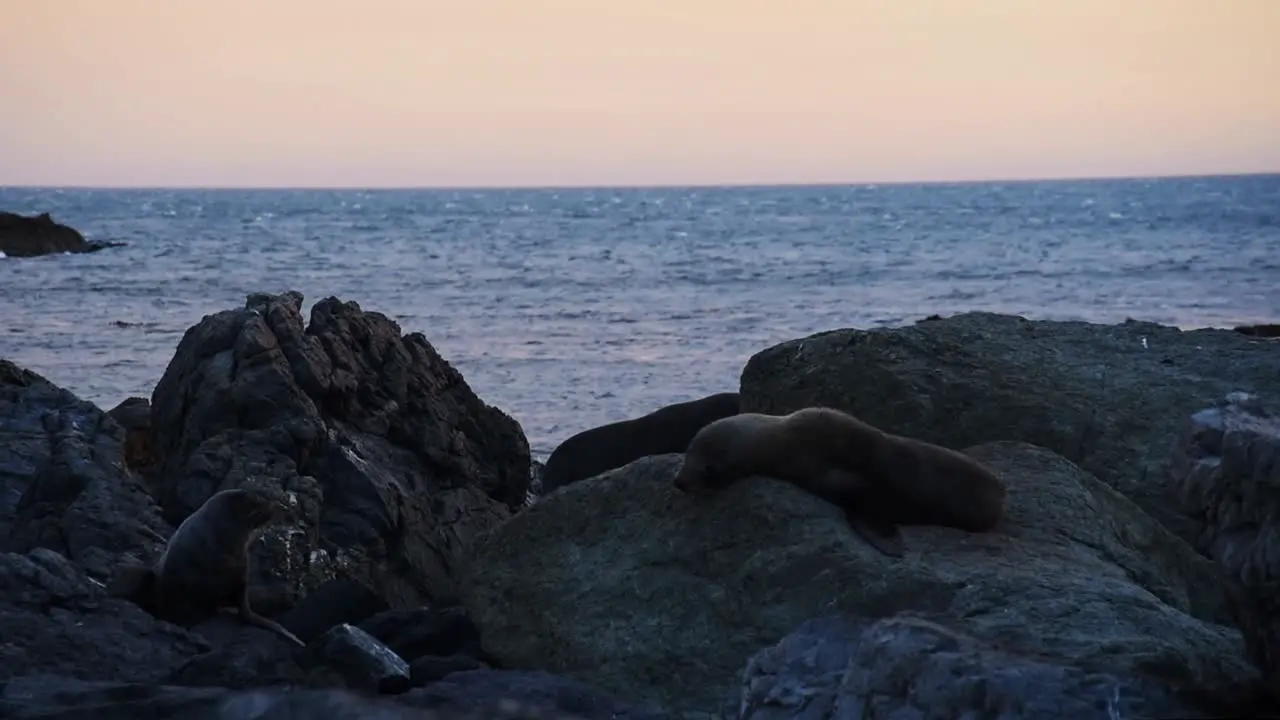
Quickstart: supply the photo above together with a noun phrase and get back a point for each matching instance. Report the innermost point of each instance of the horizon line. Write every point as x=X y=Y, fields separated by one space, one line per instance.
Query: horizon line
x=653 y=186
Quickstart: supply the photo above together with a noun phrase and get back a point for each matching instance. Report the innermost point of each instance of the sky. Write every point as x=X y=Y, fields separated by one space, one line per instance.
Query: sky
x=429 y=93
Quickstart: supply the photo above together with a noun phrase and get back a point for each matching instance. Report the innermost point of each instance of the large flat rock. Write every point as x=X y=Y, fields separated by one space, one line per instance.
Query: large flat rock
x=1111 y=398
x=623 y=582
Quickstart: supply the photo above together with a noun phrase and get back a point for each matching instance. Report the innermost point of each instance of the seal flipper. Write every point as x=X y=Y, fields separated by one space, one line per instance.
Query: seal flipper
x=883 y=535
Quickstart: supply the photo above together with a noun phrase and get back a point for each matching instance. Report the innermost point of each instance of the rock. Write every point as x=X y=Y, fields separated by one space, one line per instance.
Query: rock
x=553 y=695
x=54 y=619
x=63 y=484
x=40 y=696
x=244 y=659
x=414 y=632
x=1110 y=398
x=72 y=512
x=23 y=236
x=1256 y=611
x=622 y=582
x=1226 y=472
x=390 y=462
x=334 y=602
x=1264 y=330
x=1226 y=475
x=134 y=415
x=909 y=666
x=365 y=663
x=428 y=669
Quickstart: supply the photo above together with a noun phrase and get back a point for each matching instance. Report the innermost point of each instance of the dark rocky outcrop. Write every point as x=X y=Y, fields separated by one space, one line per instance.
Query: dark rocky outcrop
x=23 y=236
x=389 y=461
x=63 y=483
x=625 y=583
x=390 y=466
x=425 y=588
x=1226 y=471
x=1264 y=330
x=1110 y=398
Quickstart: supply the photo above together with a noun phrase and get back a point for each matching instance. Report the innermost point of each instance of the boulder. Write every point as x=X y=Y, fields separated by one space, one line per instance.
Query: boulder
x=1263 y=330
x=72 y=511
x=622 y=582
x=63 y=482
x=23 y=236
x=389 y=461
x=56 y=620
x=908 y=666
x=1226 y=473
x=1110 y=398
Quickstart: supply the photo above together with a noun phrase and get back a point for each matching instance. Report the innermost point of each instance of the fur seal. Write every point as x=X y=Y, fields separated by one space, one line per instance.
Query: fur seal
x=205 y=564
x=881 y=480
x=665 y=430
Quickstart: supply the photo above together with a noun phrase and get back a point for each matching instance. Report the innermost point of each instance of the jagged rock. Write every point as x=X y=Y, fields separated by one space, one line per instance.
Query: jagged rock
x=28 y=236
x=623 y=582
x=907 y=666
x=63 y=484
x=389 y=460
x=134 y=415
x=364 y=662
x=1110 y=398
x=1226 y=471
x=1226 y=474
x=414 y=632
x=1264 y=330
x=54 y=619
x=73 y=511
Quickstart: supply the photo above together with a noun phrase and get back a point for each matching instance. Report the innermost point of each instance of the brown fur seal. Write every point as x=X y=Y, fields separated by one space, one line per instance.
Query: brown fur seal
x=205 y=564
x=665 y=430
x=881 y=480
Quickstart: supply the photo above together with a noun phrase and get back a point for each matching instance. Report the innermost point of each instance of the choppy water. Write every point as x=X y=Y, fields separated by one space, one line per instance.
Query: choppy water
x=572 y=308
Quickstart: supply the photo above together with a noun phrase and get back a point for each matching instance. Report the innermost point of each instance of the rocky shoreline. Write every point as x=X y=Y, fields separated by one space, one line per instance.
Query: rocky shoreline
x=1142 y=464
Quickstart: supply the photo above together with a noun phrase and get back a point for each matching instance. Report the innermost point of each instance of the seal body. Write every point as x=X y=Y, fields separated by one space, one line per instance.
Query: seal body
x=205 y=565
x=879 y=479
x=665 y=430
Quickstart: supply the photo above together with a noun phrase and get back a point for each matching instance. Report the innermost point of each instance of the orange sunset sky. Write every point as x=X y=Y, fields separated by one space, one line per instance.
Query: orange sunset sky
x=376 y=93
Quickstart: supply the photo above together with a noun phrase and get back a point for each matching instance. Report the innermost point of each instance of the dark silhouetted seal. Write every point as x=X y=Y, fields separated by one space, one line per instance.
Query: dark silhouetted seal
x=665 y=430
x=205 y=564
x=879 y=479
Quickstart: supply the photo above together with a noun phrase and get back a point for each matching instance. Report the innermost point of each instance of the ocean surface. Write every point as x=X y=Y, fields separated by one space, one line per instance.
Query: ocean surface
x=573 y=308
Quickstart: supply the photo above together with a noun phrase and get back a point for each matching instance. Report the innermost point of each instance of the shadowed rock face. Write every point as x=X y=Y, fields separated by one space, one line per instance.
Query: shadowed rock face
x=73 y=512
x=1226 y=472
x=665 y=430
x=386 y=458
x=627 y=583
x=1110 y=398
x=22 y=236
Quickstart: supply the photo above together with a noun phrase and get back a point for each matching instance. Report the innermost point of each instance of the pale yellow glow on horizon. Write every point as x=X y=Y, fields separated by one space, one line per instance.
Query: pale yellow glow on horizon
x=367 y=93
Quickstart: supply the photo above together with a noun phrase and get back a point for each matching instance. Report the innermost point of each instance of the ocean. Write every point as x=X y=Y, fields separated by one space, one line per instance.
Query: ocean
x=570 y=308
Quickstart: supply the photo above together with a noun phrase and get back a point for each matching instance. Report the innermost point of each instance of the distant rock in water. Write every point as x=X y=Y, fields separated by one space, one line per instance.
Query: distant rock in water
x=22 y=236
x=1265 y=330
